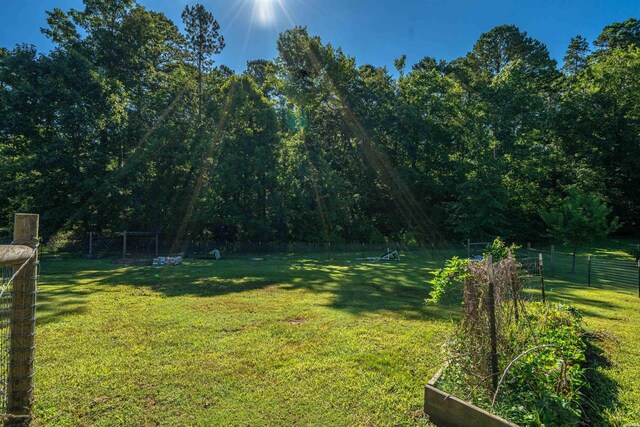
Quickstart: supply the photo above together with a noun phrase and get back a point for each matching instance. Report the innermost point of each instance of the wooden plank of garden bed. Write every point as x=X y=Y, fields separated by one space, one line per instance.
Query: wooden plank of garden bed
x=14 y=254
x=445 y=410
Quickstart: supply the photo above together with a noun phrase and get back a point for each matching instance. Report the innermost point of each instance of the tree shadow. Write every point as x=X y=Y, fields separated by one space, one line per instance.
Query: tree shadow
x=356 y=287
x=59 y=302
x=359 y=287
x=601 y=393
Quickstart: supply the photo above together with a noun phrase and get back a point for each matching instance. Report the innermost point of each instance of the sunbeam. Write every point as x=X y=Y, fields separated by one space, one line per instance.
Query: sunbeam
x=264 y=12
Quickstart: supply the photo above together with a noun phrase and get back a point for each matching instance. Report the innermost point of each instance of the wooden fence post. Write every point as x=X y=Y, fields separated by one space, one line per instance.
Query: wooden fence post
x=492 y=325
x=541 y=267
x=589 y=271
x=22 y=329
x=124 y=244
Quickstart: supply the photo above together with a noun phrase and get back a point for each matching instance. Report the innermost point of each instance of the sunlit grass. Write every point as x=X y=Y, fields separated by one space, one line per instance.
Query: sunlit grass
x=285 y=341
x=278 y=342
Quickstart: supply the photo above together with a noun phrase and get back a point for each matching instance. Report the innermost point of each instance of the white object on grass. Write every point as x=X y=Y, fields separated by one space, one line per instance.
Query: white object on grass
x=167 y=260
x=389 y=256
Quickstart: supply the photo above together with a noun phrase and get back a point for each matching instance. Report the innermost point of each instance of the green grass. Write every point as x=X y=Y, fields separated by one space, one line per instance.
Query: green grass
x=284 y=341
x=611 y=248
x=613 y=312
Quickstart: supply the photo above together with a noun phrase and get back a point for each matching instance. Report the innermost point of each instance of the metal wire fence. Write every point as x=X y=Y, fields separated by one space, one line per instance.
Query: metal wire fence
x=593 y=271
x=109 y=245
x=18 y=277
x=5 y=336
x=588 y=270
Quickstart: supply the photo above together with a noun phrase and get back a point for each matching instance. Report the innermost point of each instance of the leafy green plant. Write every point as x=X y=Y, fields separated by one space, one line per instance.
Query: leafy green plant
x=452 y=276
x=544 y=387
x=541 y=350
x=456 y=270
x=499 y=249
x=542 y=360
x=59 y=241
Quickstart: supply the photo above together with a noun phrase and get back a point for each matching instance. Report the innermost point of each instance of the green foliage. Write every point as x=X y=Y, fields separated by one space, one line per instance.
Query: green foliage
x=126 y=123
x=203 y=40
x=456 y=271
x=203 y=35
x=576 y=58
x=499 y=250
x=544 y=386
x=59 y=241
x=452 y=276
x=580 y=218
x=620 y=35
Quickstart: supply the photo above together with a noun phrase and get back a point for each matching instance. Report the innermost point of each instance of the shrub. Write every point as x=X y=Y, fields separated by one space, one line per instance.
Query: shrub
x=538 y=373
x=543 y=386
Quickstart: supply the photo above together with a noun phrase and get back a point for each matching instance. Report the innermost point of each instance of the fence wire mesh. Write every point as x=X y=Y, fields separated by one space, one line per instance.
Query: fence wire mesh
x=5 y=337
x=18 y=278
x=594 y=270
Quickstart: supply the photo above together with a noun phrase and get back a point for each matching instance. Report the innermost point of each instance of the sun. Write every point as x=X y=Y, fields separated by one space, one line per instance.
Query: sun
x=265 y=11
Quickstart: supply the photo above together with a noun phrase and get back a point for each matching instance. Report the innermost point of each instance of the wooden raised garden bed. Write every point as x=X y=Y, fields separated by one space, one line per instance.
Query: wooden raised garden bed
x=446 y=410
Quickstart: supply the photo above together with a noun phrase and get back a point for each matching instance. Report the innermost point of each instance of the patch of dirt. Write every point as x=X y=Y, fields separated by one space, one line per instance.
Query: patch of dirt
x=295 y=321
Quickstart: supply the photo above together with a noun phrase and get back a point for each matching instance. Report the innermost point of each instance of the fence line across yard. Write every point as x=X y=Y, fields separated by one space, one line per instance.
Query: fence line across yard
x=592 y=270
x=98 y=245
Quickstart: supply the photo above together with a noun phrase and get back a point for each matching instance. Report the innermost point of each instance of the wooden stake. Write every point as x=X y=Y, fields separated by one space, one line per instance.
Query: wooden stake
x=540 y=266
x=124 y=244
x=492 y=325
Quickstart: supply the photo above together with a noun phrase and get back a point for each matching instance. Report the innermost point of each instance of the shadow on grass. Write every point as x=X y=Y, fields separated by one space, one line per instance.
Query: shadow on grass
x=591 y=300
x=59 y=302
x=356 y=287
x=601 y=395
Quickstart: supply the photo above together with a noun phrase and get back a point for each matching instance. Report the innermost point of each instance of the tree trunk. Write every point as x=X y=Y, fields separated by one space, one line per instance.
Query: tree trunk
x=199 y=91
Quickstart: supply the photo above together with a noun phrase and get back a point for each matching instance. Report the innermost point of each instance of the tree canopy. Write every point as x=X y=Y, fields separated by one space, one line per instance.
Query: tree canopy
x=129 y=123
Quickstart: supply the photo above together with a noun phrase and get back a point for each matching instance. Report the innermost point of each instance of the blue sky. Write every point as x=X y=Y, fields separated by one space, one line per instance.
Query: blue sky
x=374 y=32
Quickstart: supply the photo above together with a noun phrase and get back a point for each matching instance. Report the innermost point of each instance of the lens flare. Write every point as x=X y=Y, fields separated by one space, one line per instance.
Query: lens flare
x=264 y=12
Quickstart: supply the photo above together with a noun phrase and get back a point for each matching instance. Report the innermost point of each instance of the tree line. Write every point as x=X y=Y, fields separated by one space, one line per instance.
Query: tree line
x=128 y=123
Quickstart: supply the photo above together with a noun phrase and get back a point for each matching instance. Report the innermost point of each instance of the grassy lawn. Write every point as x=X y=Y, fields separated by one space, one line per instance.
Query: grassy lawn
x=283 y=341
